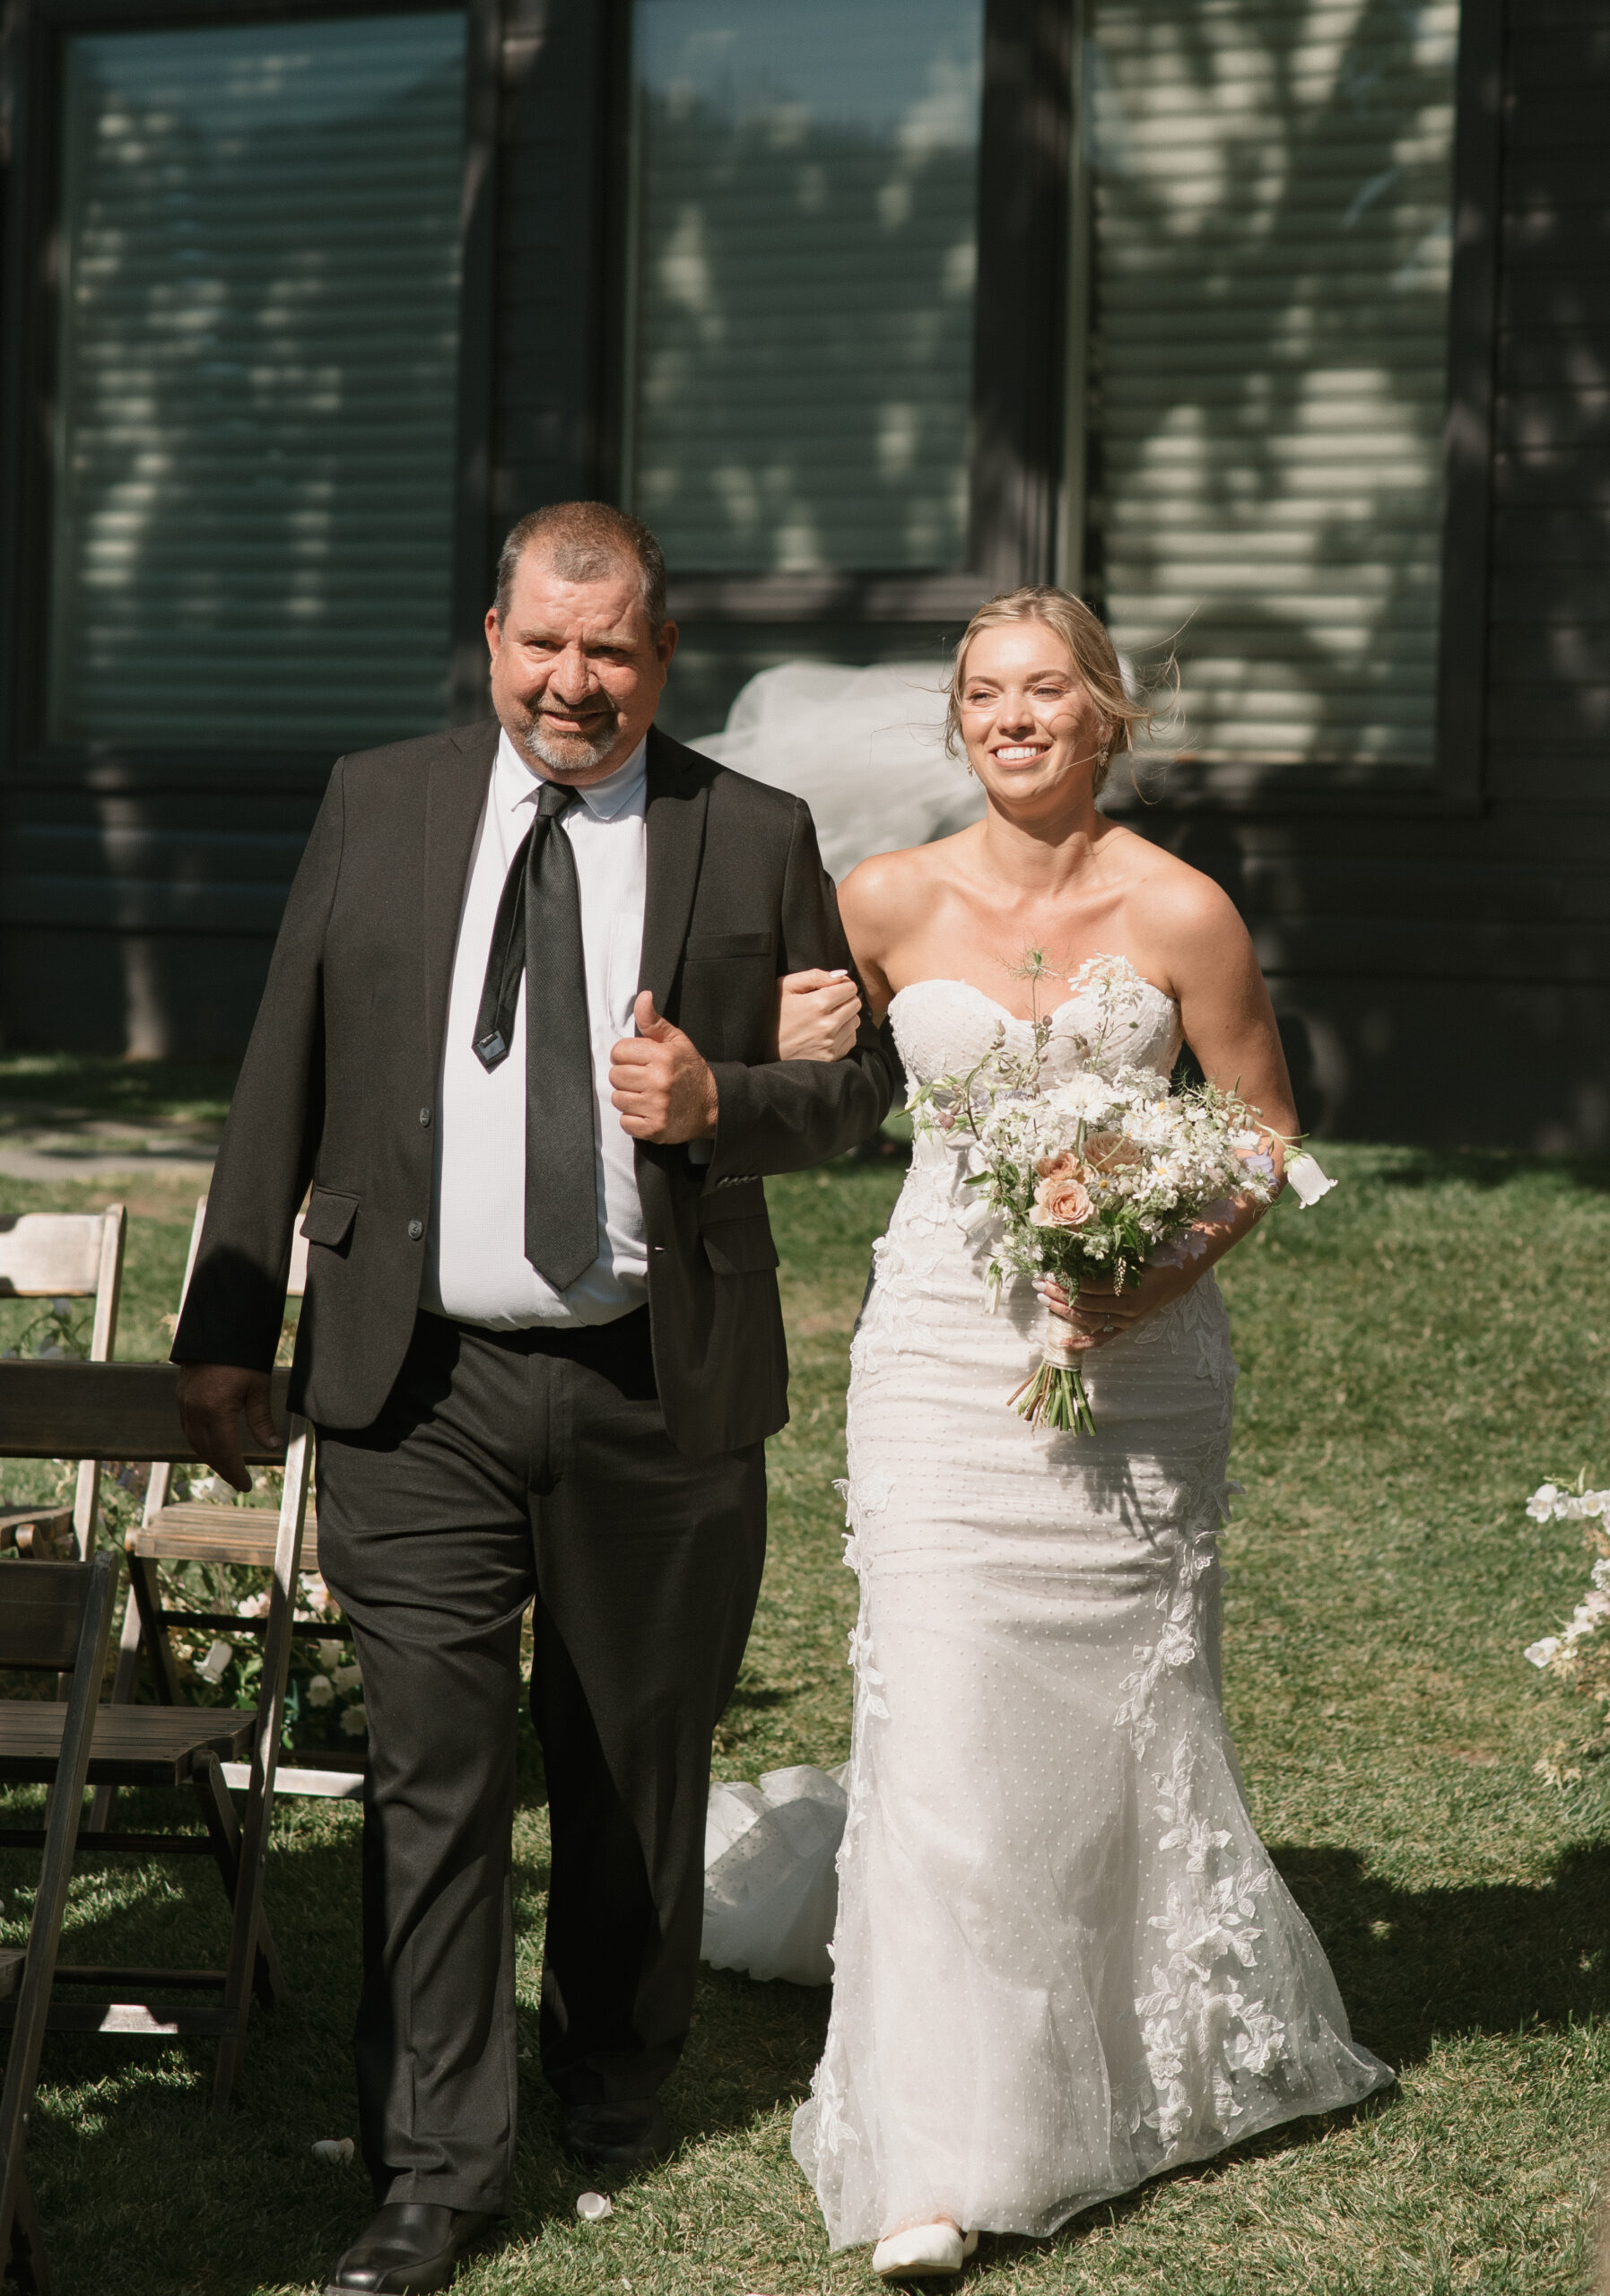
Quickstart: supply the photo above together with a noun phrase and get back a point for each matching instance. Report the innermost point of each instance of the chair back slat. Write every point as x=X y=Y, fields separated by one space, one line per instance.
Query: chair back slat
x=125 y=1411
x=42 y=1614
x=44 y=1254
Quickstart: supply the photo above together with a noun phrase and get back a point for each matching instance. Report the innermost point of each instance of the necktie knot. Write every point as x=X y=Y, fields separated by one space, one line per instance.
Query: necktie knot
x=554 y=799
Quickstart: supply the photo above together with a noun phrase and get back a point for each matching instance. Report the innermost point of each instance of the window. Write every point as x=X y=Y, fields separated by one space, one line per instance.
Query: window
x=803 y=248
x=1266 y=279
x=254 y=486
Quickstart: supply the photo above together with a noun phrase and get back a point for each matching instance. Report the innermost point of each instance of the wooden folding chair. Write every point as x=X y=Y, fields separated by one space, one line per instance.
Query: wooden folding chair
x=210 y=1531
x=63 y=1255
x=52 y=1409
x=58 y=1617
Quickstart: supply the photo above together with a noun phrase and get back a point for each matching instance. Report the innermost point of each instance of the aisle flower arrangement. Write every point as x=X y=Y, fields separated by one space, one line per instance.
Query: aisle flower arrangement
x=1578 y=1654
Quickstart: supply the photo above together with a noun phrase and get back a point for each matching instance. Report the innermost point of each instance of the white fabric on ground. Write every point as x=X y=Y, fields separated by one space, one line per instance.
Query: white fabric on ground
x=771 y=1887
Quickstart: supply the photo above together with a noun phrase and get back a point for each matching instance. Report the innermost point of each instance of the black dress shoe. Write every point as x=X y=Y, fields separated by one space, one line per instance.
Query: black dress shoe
x=409 y=2248
x=617 y=2136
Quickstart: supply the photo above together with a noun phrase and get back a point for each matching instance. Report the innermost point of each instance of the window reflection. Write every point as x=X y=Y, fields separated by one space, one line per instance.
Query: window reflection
x=255 y=479
x=800 y=355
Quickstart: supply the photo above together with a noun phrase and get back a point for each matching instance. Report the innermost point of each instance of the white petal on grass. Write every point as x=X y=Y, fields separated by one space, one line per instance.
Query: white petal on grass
x=334 y=2150
x=592 y=2208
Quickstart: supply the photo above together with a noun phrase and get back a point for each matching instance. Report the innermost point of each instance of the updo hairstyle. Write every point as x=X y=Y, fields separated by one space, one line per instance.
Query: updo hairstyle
x=1092 y=654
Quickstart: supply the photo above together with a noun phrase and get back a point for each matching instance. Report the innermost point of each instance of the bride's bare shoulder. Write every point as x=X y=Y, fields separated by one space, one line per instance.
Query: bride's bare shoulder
x=886 y=895
x=1179 y=910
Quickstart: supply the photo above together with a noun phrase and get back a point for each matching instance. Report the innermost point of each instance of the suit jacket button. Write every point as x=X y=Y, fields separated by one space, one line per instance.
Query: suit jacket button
x=424 y=1115
x=416 y=1229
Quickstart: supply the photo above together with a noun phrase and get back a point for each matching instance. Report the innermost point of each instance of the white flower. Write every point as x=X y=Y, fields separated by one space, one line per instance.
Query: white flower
x=1601 y=1572
x=1540 y=1653
x=252 y=1605
x=347 y=1678
x=331 y=1654
x=214 y=1664
x=1306 y=1178
x=321 y=1691
x=335 y=2152
x=354 y=1721
x=1540 y=1506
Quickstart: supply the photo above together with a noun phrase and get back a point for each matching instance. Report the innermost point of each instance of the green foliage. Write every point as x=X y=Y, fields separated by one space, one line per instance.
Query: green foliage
x=1417 y=1354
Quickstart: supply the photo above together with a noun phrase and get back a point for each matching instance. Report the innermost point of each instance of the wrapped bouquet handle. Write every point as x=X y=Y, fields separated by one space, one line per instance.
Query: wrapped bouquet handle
x=1053 y=1394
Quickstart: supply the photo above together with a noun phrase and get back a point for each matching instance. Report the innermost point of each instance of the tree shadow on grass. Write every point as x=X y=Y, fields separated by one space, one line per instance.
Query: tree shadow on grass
x=1487 y=1168
x=1416 y=1966
x=140 y=2189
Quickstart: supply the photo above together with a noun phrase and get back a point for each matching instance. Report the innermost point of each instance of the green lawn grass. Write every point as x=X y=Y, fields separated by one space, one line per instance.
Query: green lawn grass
x=1416 y=1354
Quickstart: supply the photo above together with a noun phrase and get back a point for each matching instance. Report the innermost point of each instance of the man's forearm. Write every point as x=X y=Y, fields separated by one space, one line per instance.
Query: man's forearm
x=784 y=1115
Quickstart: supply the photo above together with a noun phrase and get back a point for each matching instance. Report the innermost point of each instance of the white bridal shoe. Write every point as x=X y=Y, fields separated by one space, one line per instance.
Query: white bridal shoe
x=921 y=2250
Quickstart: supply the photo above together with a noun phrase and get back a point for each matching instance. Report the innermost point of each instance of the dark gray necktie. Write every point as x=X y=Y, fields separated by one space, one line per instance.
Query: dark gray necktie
x=537 y=934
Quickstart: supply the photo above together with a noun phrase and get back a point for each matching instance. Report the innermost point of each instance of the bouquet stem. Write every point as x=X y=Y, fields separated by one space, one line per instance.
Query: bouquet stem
x=1053 y=1394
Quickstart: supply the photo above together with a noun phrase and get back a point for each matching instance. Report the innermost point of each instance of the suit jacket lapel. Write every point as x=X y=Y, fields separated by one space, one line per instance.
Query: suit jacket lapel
x=676 y=800
x=459 y=774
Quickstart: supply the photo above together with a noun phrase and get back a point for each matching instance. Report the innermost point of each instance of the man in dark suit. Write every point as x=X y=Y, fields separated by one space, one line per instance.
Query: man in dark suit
x=518 y=1037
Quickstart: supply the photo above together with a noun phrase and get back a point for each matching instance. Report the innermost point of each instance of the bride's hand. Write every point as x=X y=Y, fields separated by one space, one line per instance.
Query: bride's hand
x=1102 y=1313
x=817 y=1015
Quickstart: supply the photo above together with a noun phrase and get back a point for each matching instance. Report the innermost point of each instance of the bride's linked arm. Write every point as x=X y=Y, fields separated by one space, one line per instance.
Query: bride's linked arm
x=818 y=1014
x=1228 y=1024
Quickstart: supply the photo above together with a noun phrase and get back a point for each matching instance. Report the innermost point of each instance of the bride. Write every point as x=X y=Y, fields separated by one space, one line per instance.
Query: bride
x=1062 y=1960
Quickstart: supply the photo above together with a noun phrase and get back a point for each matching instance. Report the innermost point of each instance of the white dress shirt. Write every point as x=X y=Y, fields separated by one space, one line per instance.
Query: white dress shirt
x=477 y=1270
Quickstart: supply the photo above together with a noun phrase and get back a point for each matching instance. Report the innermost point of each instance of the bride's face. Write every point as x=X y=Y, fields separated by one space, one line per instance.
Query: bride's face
x=1032 y=730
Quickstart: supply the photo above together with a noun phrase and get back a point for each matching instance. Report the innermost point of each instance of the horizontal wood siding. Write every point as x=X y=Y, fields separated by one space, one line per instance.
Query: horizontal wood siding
x=1439 y=977
x=1448 y=978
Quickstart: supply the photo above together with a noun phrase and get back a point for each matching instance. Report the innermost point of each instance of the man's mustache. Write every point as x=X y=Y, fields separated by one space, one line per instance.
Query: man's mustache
x=601 y=707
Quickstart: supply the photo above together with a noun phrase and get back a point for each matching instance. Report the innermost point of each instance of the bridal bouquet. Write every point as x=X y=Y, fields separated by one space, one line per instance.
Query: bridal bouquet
x=1100 y=1175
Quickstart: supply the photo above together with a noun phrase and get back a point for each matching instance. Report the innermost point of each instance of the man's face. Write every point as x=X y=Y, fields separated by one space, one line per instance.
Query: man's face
x=576 y=674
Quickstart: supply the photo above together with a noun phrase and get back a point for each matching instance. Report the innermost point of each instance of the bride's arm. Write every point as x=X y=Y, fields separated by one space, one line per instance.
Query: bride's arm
x=1206 y=954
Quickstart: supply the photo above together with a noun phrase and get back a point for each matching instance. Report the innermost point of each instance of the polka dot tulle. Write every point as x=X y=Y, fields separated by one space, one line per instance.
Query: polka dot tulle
x=1063 y=1961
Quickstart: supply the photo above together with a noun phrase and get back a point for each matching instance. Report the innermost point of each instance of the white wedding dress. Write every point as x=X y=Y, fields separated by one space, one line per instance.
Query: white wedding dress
x=1063 y=1961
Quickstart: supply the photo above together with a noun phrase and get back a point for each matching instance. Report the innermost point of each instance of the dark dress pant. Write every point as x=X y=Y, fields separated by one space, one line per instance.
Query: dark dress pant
x=508 y=1469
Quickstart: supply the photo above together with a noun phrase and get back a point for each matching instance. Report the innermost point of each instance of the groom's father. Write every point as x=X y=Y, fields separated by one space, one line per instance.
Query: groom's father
x=516 y=1035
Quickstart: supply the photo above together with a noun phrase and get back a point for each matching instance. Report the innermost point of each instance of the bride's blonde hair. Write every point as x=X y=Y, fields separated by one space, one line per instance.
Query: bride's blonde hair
x=1091 y=652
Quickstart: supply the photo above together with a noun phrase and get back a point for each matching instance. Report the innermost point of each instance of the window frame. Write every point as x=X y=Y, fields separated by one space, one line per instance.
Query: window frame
x=1454 y=783
x=1016 y=428
x=28 y=382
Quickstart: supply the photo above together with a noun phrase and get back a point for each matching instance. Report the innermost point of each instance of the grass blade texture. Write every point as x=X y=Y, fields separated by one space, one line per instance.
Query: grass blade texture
x=1418 y=1353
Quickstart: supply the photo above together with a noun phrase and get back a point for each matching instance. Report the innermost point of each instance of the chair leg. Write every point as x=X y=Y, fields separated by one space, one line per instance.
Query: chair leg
x=123 y=1690
x=147 y=1603
x=26 y=2264
x=218 y=1809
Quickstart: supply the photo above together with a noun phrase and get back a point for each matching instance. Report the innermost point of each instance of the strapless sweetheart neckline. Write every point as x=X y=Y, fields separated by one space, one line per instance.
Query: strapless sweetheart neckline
x=1079 y=984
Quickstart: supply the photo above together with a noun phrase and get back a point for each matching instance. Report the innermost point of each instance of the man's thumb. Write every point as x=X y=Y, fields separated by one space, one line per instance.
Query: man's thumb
x=649 y=1024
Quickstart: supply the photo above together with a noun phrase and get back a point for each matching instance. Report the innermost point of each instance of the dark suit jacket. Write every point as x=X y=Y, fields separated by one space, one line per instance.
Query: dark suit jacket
x=340 y=1080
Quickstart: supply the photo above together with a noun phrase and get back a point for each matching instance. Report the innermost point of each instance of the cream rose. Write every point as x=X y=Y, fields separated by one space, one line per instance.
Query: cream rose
x=1062 y=1202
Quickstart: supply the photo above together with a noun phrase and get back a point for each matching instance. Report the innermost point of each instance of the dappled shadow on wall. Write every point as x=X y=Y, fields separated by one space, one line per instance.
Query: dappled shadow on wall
x=1270 y=265
x=259 y=355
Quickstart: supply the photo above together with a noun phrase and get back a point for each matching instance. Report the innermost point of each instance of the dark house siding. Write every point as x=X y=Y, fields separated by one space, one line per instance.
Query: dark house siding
x=1440 y=967
x=1442 y=977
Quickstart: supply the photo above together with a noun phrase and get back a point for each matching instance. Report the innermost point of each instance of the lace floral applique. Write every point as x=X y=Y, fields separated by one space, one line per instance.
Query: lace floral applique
x=869 y=1680
x=833 y=2127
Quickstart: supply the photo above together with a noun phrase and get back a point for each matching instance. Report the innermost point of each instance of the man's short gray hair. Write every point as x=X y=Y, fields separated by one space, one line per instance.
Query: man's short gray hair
x=583 y=541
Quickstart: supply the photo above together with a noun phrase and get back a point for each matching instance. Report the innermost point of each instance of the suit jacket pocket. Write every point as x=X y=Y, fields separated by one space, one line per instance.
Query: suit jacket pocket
x=735 y=1229
x=330 y=1217
x=701 y=946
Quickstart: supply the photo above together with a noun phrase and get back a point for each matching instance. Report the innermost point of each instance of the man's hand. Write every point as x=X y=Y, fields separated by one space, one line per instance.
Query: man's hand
x=212 y=1397
x=818 y=1014
x=661 y=1082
